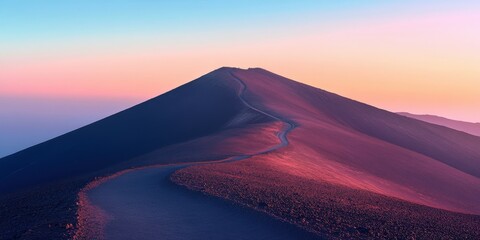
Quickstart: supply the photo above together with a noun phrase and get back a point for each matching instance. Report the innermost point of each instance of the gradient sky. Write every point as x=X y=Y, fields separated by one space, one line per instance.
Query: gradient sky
x=64 y=64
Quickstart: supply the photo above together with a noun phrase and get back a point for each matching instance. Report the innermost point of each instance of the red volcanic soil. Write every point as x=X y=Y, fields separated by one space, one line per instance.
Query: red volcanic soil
x=468 y=127
x=351 y=170
x=322 y=207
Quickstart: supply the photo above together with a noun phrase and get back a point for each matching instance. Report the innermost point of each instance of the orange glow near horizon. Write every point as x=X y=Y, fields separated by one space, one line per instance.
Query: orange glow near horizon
x=421 y=64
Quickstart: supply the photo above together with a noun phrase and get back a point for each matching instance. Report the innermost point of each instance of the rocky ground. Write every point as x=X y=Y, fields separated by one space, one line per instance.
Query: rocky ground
x=335 y=211
x=51 y=213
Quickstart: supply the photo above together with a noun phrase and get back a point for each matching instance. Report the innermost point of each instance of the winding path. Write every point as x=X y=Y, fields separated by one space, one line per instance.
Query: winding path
x=144 y=204
x=282 y=136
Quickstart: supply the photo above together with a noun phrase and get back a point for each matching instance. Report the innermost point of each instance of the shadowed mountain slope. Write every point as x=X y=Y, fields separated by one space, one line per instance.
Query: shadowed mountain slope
x=199 y=108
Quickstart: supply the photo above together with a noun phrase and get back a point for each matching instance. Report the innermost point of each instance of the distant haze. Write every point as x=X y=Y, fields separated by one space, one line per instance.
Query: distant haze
x=29 y=121
x=471 y=128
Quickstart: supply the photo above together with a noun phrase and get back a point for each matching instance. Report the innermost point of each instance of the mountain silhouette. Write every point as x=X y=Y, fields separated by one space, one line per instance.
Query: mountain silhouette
x=272 y=144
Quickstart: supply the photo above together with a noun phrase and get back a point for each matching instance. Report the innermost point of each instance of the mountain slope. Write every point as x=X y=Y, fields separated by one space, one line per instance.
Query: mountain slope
x=39 y=186
x=196 y=109
x=346 y=169
x=468 y=127
x=353 y=147
x=379 y=144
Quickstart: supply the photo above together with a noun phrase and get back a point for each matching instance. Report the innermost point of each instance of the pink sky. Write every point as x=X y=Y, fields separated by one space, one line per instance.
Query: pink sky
x=422 y=63
x=410 y=56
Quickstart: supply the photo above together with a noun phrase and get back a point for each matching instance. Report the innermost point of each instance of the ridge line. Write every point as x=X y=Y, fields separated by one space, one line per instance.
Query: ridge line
x=290 y=125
